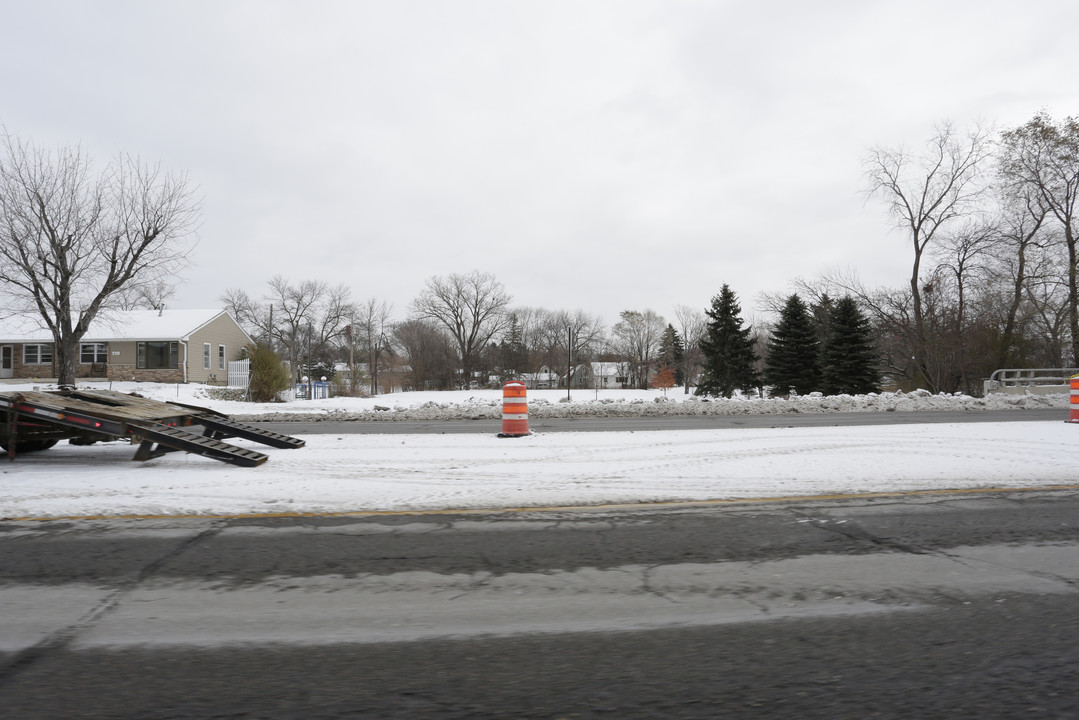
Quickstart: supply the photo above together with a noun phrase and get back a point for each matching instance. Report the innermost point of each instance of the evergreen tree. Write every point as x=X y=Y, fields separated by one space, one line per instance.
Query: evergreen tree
x=849 y=358
x=822 y=315
x=727 y=349
x=792 y=362
x=672 y=352
x=512 y=354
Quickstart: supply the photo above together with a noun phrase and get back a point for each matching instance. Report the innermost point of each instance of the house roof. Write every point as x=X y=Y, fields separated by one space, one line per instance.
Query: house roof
x=114 y=326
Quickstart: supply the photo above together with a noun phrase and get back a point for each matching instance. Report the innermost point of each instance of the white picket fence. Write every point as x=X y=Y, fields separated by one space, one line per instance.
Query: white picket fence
x=240 y=373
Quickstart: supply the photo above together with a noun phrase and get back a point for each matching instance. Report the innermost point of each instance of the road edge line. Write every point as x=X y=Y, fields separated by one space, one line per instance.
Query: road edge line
x=659 y=504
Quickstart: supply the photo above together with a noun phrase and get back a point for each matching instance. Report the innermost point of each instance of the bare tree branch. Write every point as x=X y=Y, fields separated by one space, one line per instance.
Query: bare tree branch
x=471 y=307
x=70 y=239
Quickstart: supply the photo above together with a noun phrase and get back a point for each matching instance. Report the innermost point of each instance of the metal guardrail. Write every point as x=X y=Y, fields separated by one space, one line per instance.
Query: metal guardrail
x=1022 y=379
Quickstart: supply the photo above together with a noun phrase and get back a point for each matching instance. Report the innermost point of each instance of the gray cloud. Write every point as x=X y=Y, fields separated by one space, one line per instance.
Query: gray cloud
x=604 y=155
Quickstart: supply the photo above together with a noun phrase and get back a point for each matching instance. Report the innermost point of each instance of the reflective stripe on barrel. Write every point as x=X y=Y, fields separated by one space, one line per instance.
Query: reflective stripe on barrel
x=514 y=410
x=1073 y=414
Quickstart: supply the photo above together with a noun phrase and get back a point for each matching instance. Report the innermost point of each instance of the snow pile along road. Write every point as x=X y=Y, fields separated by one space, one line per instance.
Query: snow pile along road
x=487 y=404
x=479 y=408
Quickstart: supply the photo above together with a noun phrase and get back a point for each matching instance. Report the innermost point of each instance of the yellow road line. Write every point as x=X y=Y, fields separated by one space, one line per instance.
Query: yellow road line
x=554 y=508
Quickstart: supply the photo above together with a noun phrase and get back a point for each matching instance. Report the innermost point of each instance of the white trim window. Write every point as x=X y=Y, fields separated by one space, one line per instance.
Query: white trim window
x=37 y=354
x=206 y=356
x=221 y=357
x=93 y=353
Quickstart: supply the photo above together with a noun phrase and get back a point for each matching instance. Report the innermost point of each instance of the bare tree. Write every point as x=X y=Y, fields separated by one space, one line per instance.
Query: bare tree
x=692 y=325
x=301 y=321
x=304 y=318
x=925 y=193
x=963 y=257
x=1043 y=156
x=471 y=307
x=582 y=332
x=548 y=339
x=1016 y=258
x=636 y=339
x=146 y=296
x=429 y=351
x=249 y=313
x=371 y=326
x=71 y=239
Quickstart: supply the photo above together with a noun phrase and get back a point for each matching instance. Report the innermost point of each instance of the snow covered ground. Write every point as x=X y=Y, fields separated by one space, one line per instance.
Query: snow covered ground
x=374 y=473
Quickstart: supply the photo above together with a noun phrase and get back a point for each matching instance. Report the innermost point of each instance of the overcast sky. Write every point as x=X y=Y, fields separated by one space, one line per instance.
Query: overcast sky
x=613 y=155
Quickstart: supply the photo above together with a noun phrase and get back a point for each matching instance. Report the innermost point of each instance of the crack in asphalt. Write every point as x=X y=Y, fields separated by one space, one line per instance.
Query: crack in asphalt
x=646 y=584
x=854 y=531
x=63 y=637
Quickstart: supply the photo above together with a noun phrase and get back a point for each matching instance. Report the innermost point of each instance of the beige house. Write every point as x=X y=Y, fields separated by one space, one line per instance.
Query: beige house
x=141 y=345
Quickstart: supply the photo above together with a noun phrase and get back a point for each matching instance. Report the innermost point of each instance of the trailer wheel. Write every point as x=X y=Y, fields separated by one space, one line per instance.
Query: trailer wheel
x=24 y=446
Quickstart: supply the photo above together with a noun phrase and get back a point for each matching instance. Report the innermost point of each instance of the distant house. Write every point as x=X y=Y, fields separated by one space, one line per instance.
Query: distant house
x=142 y=345
x=542 y=380
x=601 y=375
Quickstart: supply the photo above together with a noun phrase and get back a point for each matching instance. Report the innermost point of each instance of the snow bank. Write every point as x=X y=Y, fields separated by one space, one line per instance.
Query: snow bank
x=487 y=404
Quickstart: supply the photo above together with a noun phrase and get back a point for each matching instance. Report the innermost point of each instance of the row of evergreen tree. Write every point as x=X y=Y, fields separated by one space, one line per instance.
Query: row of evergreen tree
x=824 y=348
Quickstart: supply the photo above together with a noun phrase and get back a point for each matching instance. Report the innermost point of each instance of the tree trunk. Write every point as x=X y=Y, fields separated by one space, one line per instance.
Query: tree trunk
x=919 y=347
x=372 y=369
x=67 y=358
x=1073 y=292
x=1004 y=352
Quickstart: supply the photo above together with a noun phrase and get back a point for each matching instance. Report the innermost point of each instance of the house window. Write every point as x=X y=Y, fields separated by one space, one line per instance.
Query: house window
x=206 y=356
x=220 y=357
x=91 y=353
x=38 y=354
x=161 y=355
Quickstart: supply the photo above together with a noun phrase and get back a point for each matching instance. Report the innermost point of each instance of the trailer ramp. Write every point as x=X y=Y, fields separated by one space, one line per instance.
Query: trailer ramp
x=221 y=427
x=34 y=420
x=172 y=439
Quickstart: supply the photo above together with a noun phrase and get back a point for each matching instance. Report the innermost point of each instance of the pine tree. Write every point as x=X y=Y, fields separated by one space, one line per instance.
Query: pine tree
x=672 y=352
x=822 y=315
x=793 y=362
x=512 y=353
x=849 y=359
x=727 y=349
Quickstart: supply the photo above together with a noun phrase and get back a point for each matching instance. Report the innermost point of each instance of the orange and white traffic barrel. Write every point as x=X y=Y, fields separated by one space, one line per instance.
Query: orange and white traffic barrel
x=1073 y=415
x=514 y=410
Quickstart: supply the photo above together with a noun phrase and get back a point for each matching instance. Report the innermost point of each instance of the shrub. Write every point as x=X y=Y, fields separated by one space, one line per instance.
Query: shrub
x=268 y=374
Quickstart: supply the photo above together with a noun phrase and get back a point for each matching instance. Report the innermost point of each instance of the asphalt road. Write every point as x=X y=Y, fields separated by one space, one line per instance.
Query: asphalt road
x=951 y=606
x=609 y=424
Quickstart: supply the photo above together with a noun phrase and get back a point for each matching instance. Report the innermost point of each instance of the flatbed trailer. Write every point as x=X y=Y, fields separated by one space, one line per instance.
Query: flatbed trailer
x=37 y=420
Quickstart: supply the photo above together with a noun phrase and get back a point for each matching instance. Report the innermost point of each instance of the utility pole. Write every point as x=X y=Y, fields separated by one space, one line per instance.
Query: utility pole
x=351 y=363
x=569 y=361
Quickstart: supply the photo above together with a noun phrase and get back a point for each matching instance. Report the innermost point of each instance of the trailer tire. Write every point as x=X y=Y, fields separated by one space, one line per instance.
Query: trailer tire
x=25 y=446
